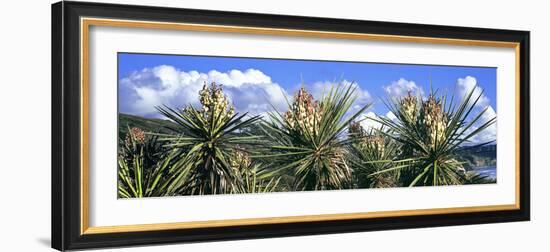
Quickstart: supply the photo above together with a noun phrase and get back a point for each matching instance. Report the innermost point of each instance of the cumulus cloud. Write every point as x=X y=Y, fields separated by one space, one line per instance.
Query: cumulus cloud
x=391 y=115
x=368 y=121
x=490 y=133
x=465 y=85
x=363 y=97
x=402 y=87
x=250 y=90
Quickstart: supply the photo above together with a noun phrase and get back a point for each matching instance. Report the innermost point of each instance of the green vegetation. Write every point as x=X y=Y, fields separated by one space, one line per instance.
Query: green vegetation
x=314 y=145
x=148 y=169
x=308 y=139
x=372 y=152
x=431 y=133
x=209 y=141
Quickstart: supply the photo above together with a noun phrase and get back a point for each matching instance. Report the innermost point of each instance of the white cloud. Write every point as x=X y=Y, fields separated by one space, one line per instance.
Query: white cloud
x=320 y=88
x=391 y=115
x=368 y=121
x=250 y=91
x=464 y=87
x=488 y=134
x=402 y=87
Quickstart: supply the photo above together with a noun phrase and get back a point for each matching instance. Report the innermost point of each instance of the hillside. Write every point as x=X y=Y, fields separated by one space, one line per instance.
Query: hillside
x=480 y=156
x=146 y=124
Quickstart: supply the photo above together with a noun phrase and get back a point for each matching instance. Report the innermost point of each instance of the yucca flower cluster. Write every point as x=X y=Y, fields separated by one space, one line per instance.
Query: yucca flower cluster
x=367 y=149
x=369 y=140
x=409 y=107
x=135 y=139
x=240 y=159
x=376 y=143
x=305 y=113
x=215 y=102
x=433 y=120
x=138 y=137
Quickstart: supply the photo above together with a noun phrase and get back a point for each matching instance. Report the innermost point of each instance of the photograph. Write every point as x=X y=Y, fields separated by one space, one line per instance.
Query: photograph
x=204 y=125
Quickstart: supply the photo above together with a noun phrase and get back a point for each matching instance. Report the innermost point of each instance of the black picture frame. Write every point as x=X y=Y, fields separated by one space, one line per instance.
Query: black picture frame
x=66 y=114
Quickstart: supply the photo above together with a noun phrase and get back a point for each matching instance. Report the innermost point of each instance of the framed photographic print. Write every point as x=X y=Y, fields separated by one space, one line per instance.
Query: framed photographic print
x=180 y=125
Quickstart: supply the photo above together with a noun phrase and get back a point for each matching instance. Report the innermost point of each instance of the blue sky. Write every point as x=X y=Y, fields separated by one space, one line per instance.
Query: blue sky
x=146 y=80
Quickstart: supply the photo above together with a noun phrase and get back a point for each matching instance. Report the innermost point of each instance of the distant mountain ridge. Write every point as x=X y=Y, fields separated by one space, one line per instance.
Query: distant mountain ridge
x=126 y=121
x=480 y=156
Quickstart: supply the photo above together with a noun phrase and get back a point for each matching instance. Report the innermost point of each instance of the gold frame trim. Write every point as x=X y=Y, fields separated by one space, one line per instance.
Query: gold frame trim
x=85 y=24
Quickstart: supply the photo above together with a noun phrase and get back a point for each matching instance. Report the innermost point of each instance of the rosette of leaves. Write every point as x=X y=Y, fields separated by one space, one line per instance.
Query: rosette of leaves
x=309 y=141
x=146 y=169
x=431 y=133
x=207 y=140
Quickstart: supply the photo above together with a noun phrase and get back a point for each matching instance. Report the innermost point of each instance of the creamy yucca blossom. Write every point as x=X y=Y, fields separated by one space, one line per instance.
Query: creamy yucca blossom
x=304 y=113
x=376 y=143
x=433 y=120
x=139 y=136
x=409 y=107
x=215 y=102
x=205 y=97
x=368 y=140
x=240 y=160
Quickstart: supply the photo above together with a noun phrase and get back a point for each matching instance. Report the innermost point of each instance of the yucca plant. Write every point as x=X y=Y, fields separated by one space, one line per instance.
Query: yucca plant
x=146 y=169
x=207 y=139
x=251 y=177
x=371 y=151
x=431 y=133
x=309 y=141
